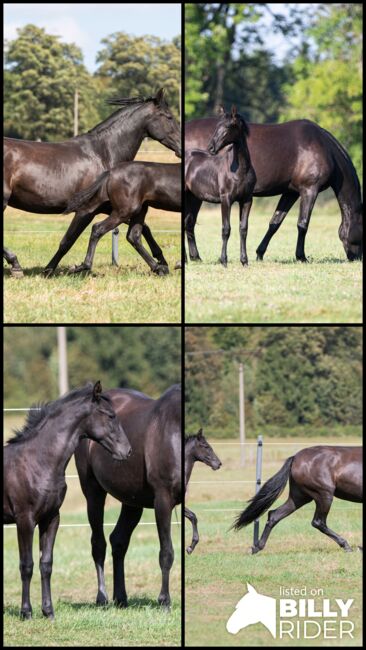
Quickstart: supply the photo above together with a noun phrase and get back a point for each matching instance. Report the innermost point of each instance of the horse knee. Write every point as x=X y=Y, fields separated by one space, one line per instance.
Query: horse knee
x=226 y=230
x=26 y=570
x=134 y=235
x=166 y=558
x=45 y=569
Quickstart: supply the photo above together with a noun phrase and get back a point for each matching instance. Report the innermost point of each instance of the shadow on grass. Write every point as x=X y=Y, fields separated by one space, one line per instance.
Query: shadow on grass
x=133 y=604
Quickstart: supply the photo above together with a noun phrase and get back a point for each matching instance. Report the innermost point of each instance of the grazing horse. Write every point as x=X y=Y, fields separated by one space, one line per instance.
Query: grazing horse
x=221 y=179
x=151 y=478
x=35 y=461
x=130 y=188
x=294 y=159
x=196 y=448
x=316 y=474
x=41 y=177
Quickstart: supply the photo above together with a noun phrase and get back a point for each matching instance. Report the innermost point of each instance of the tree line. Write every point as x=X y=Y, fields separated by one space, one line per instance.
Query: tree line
x=42 y=73
x=297 y=379
x=144 y=358
x=228 y=60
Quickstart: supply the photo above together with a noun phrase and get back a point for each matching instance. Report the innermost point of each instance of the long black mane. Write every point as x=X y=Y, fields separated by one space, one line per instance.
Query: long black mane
x=40 y=411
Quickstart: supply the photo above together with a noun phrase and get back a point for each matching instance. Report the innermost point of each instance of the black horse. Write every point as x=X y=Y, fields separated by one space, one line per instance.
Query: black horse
x=41 y=177
x=221 y=179
x=295 y=159
x=35 y=461
x=130 y=188
x=196 y=448
x=151 y=478
x=316 y=473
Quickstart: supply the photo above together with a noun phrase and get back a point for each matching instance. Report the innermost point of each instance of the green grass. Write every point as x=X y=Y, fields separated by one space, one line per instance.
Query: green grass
x=296 y=554
x=127 y=294
x=279 y=289
x=78 y=622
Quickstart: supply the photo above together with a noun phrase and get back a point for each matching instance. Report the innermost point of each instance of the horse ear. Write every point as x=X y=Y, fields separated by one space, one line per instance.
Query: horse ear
x=159 y=96
x=199 y=432
x=251 y=589
x=221 y=110
x=97 y=391
x=234 y=111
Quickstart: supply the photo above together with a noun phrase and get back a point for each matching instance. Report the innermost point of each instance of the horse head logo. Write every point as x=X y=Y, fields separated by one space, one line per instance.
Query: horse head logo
x=253 y=608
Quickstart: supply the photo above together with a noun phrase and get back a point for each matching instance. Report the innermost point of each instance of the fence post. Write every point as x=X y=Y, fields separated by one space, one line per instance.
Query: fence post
x=115 y=247
x=241 y=415
x=258 y=481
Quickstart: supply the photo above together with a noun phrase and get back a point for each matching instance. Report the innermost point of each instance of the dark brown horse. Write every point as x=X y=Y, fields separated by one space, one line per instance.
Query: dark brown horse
x=316 y=474
x=35 y=461
x=150 y=478
x=41 y=177
x=221 y=179
x=130 y=188
x=295 y=159
x=196 y=448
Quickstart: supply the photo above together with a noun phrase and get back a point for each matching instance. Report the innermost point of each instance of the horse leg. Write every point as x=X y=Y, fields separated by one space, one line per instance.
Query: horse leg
x=120 y=539
x=134 y=238
x=156 y=251
x=95 y=496
x=285 y=204
x=97 y=232
x=243 y=230
x=294 y=502
x=25 y=532
x=76 y=227
x=195 y=538
x=307 y=200
x=323 y=505
x=47 y=536
x=225 y=215
x=192 y=206
x=16 y=270
x=163 y=515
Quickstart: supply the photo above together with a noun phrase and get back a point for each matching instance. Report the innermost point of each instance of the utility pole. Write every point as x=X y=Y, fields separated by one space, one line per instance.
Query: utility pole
x=241 y=414
x=76 y=112
x=63 y=382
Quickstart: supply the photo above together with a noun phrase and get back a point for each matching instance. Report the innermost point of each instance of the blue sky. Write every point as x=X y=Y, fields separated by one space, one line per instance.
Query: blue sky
x=87 y=24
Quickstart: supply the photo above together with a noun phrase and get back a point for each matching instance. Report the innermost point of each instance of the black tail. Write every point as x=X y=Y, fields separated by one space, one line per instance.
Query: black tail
x=78 y=200
x=267 y=495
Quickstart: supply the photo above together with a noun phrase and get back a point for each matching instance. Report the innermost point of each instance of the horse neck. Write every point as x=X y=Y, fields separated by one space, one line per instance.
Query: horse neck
x=345 y=183
x=240 y=154
x=120 y=140
x=60 y=436
x=189 y=460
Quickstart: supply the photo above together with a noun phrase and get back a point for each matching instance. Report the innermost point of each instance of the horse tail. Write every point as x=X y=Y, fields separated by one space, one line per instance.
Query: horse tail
x=267 y=495
x=78 y=200
x=346 y=157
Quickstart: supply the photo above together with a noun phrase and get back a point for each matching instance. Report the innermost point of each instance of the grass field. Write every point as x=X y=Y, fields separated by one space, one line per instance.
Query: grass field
x=127 y=294
x=296 y=554
x=78 y=622
x=278 y=289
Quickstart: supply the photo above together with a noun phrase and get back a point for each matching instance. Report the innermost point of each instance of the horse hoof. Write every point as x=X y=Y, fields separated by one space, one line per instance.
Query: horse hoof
x=101 y=600
x=162 y=270
x=189 y=550
x=259 y=257
x=302 y=259
x=16 y=273
x=73 y=270
x=178 y=266
x=255 y=550
x=195 y=259
x=26 y=616
x=48 y=614
x=121 y=603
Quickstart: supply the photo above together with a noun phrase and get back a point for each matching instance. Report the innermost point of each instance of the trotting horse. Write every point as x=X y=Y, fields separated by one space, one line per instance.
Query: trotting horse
x=35 y=461
x=41 y=177
x=196 y=448
x=130 y=188
x=151 y=478
x=294 y=159
x=316 y=473
x=221 y=179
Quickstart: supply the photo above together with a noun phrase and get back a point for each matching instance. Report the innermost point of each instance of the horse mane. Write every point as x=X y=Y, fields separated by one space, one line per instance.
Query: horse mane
x=39 y=411
x=127 y=101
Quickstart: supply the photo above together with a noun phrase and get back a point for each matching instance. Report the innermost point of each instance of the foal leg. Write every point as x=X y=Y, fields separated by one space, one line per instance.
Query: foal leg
x=16 y=270
x=76 y=227
x=225 y=215
x=320 y=521
x=243 y=229
x=47 y=536
x=120 y=539
x=285 y=203
x=274 y=516
x=25 y=532
x=156 y=251
x=307 y=200
x=192 y=206
x=134 y=238
x=163 y=516
x=97 y=231
x=96 y=496
x=195 y=538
